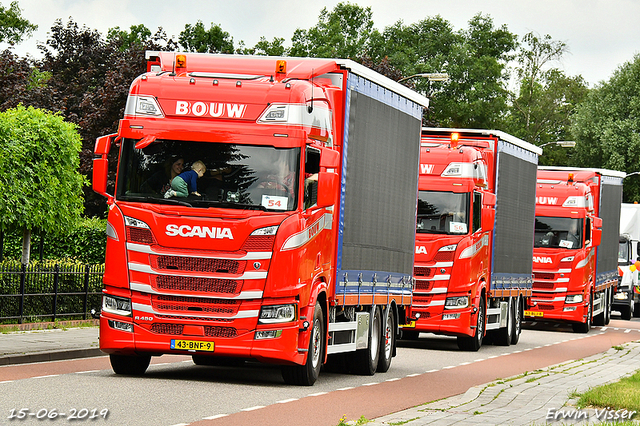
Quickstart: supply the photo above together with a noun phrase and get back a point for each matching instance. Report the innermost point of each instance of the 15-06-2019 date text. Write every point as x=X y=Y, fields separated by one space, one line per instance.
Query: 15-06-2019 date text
x=53 y=414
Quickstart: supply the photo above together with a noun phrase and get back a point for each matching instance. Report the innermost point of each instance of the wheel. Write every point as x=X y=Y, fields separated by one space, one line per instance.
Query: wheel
x=504 y=335
x=585 y=326
x=517 y=323
x=217 y=361
x=130 y=365
x=636 y=309
x=473 y=343
x=410 y=334
x=365 y=361
x=387 y=341
x=307 y=374
x=601 y=318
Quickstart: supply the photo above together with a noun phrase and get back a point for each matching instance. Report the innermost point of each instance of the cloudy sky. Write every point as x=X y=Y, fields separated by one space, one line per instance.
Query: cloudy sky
x=601 y=34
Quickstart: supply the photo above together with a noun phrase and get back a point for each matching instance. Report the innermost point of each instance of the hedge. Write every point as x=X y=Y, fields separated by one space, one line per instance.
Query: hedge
x=85 y=243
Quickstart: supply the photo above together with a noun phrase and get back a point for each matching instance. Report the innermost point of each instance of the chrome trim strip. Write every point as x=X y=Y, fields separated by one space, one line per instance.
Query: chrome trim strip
x=148 y=309
x=253 y=255
x=146 y=288
x=139 y=267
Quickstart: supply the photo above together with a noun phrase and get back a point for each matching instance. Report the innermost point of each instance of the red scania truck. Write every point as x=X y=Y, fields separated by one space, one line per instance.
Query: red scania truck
x=299 y=242
x=575 y=256
x=474 y=235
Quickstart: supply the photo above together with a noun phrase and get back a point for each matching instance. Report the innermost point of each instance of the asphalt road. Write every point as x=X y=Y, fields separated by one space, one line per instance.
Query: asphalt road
x=174 y=391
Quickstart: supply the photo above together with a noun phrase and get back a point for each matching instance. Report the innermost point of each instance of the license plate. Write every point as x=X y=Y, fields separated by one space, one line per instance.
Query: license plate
x=533 y=314
x=192 y=345
x=412 y=324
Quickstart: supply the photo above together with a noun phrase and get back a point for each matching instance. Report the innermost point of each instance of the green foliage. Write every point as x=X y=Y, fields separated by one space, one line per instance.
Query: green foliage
x=137 y=37
x=624 y=394
x=195 y=38
x=85 y=243
x=475 y=59
x=13 y=28
x=342 y=33
x=40 y=185
x=545 y=98
x=265 y=47
x=607 y=126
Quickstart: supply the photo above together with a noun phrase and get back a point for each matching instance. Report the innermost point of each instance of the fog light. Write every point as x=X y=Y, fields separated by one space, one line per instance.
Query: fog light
x=569 y=309
x=268 y=334
x=122 y=326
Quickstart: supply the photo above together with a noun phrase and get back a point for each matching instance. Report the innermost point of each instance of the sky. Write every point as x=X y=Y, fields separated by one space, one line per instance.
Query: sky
x=601 y=34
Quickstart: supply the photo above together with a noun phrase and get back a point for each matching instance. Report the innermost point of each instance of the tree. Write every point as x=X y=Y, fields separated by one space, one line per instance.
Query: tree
x=264 y=47
x=195 y=38
x=341 y=33
x=475 y=59
x=606 y=126
x=40 y=187
x=14 y=28
x=544 y=98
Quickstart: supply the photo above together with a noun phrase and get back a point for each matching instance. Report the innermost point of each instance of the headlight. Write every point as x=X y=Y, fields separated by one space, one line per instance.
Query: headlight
x=116 y=305
x=573 y=298
x=456 y=302
x=277 y=313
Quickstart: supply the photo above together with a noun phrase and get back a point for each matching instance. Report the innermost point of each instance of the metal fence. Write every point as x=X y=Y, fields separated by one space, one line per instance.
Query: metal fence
x=49 y=290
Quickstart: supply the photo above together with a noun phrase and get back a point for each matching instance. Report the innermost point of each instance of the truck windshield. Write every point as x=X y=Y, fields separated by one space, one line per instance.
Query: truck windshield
x=443 y=212
x=558 y=232
x=623 y=252
x=237 y=176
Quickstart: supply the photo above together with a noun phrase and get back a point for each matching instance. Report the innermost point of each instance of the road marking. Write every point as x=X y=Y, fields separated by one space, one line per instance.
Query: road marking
x=479 y=359
x=370 y=384
x=284 y=401
x=392 y=380
x=317 y=394
x=7 y=381
x=448 y=367
x=42 y=377
x=347 y=388
x=217 y=416
x=257 y=407
x=431 y=371
x=181 y=424
x=88 y=371
x=627 y=330
x=604 y=328
x=408 y=375
x=464 y=363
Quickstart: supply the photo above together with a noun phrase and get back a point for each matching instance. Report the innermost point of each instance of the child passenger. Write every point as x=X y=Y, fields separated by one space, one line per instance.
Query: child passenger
x=187 y=182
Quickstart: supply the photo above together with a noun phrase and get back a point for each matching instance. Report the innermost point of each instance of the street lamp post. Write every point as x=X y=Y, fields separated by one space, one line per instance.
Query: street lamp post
x=432 y=76
x=564 y=144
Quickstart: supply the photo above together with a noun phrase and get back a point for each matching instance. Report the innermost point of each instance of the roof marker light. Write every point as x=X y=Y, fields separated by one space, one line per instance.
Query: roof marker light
x=281 y=66
x=181 y=61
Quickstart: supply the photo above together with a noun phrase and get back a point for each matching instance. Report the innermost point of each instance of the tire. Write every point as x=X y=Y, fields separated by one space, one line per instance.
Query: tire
x=387 y=341
x=365 y=361
x=626 y=312
x=307 y=374
x=636 y=309
x=517 y=323
x=473 y=343
x=504 y=335
x=584 y=327
x=607 y=315
x=601 y=318
x=130 y=365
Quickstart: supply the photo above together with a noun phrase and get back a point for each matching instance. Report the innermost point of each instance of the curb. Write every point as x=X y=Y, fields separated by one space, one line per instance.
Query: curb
x=48 y=325
x=50 y=356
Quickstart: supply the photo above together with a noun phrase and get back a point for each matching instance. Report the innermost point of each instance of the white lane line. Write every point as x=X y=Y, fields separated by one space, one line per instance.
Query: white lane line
x=217 y=416
x=257 y=407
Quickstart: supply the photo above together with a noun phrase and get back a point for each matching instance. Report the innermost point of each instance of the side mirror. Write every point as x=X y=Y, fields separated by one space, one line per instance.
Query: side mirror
x=327 y=187
x=329 y=158
x=488 y=219
x=101 y=164
x=596 y=236
x=488 y=199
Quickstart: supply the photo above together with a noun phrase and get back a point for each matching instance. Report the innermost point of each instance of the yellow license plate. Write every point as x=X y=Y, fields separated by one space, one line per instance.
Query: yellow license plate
x=533 y=314
x=192 y=345
x=412 y=324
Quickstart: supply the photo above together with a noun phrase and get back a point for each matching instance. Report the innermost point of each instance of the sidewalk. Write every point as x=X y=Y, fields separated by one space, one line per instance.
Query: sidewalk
x=537 y=398
x=22 y=347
